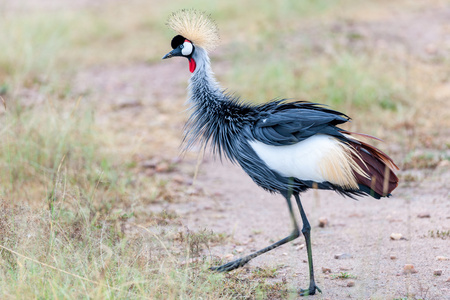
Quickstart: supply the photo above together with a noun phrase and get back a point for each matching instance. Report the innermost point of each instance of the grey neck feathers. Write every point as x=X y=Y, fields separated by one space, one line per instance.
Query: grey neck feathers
x=203 y=87
x=207 y=104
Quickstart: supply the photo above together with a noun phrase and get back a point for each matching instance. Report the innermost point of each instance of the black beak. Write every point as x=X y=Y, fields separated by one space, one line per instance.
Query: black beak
x=174 y=52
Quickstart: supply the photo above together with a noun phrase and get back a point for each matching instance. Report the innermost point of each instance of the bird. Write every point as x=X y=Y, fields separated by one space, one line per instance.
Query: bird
x=286 y=146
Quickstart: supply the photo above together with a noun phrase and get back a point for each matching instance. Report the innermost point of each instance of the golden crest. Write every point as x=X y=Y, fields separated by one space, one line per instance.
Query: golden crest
x=196 y=26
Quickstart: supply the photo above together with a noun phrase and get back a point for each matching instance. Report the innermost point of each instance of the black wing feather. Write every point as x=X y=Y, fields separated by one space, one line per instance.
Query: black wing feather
x=286 y=123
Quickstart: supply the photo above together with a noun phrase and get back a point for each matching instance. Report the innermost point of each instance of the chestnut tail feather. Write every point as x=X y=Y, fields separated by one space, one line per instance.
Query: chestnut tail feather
x=382 y=180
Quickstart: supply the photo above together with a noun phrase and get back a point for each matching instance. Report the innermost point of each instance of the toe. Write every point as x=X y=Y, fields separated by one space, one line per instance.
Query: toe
x=228 y=266
x=310 y=291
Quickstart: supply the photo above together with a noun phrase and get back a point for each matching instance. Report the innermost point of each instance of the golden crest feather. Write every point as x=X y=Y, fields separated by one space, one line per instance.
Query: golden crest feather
x=196 y=26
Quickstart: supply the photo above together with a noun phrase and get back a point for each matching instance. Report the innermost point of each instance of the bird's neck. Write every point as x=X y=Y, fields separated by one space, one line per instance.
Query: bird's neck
x=203 y=87
x=212 y=111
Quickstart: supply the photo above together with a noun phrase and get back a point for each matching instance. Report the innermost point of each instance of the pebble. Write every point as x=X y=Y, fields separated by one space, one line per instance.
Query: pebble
x=162 y=167
x=393 y=257
x=443 y=164
x=323 y=222
x=285 y=254
x=424 y=215
x=178 y=179
x=300 y=247
x=229 y=256
x=396 y=236
x=409 y=269
x=125 y=103
x=342 y=256
x=239 y=250
x=194 y=190
x=437 y=272
x=448 y=280
x=350 y=283
x=150 y=163
x=326 y=270
x=356 y=215
x=441 y=258
x=149 y=172
x=431 y=48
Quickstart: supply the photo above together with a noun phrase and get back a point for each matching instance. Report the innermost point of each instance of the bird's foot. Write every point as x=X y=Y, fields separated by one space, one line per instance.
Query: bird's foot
x=230 y=266
x=311 y=291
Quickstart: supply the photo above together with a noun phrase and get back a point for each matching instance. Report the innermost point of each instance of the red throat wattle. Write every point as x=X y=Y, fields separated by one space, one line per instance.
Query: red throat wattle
x=192 y=65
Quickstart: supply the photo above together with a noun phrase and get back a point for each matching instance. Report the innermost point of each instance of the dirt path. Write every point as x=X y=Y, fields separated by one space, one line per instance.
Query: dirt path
x=362 y=229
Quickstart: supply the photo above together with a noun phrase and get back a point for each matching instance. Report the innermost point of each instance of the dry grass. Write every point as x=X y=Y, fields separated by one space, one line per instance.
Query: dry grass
x=74 y=216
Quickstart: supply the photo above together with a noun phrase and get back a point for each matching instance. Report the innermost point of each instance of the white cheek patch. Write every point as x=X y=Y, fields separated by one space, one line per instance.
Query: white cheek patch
x=187 y=49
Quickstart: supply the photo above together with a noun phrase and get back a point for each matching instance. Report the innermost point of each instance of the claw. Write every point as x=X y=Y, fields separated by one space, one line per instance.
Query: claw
x=229 y=266
x=310 y=291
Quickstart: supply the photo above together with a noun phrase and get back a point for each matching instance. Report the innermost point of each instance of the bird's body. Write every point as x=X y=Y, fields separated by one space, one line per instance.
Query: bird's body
x=286 y=147
x=282 y=145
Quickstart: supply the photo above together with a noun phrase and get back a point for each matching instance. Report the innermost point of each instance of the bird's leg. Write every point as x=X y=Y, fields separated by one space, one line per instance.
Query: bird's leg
x=306 y=230
x=242 y=261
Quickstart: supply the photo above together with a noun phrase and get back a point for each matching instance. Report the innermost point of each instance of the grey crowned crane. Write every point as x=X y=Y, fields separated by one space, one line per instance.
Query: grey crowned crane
x=286 y=147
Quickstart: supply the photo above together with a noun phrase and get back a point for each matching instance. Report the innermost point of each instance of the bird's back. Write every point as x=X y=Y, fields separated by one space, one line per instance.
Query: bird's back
x=298 y=145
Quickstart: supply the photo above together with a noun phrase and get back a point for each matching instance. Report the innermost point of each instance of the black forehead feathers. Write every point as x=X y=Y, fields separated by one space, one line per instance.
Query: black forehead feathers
x=177 y=41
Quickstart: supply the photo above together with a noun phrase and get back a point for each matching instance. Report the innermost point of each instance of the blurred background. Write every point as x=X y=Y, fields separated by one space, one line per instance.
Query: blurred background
x=92 y=182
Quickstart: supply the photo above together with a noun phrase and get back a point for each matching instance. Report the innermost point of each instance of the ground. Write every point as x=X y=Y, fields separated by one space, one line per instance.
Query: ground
x=361 y=229
x=142 y=105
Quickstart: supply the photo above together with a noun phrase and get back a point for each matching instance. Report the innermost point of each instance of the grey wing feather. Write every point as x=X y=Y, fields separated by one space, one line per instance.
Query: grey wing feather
x=290 y=123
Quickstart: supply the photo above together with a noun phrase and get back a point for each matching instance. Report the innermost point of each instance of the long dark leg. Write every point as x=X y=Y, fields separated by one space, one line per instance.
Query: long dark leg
x=242 y=261
x=306 y=230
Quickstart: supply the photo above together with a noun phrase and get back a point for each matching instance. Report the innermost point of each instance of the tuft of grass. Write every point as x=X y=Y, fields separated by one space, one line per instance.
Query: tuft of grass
x=441 y=234
x=202 y=239
x=264 y=273
x=47 y=153
x=423 y=159
x=239 y=286
x=87 y=255
x=343 y=275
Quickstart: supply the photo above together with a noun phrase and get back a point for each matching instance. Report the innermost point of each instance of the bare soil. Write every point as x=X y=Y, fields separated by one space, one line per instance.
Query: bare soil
x=362 y=229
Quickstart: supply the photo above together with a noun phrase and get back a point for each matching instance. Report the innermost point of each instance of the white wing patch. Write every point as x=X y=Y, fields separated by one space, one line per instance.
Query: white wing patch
x=319 y=158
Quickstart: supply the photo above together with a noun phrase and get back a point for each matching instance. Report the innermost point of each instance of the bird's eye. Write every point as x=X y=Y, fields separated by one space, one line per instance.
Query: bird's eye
x=186 y=48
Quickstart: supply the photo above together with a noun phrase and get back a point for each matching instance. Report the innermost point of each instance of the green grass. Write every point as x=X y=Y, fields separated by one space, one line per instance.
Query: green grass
x=341 y=81
x=30 y=46
x=67 y=219
x=343 y=275
x=47 y=143
x=79 y=254
x=442 y=234
x=37 y=47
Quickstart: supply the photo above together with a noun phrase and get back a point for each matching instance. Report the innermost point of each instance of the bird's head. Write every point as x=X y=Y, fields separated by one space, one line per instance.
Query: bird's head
x=182 y=47
x=195 y=29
